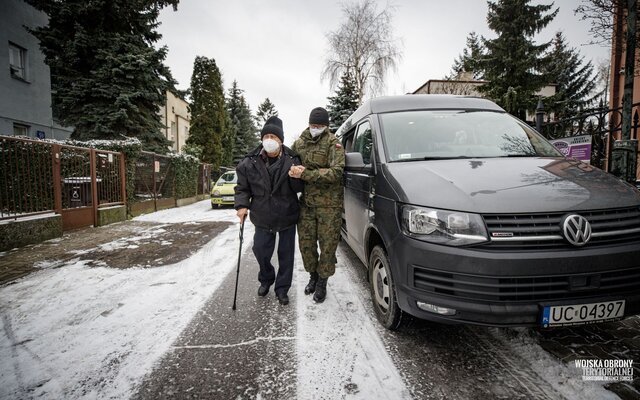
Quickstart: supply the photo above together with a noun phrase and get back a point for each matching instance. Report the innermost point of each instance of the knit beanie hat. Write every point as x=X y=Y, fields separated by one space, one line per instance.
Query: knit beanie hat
x=274 y=126
x=319 y=116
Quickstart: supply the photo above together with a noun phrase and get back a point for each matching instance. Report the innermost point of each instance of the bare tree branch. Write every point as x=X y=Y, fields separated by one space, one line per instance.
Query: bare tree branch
x=363 y=46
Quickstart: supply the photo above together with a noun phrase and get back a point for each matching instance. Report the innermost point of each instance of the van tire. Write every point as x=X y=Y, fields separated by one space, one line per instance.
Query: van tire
x=383 y=290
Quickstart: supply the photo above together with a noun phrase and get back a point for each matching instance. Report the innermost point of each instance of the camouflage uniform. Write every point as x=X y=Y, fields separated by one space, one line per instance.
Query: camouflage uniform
x=321 y=202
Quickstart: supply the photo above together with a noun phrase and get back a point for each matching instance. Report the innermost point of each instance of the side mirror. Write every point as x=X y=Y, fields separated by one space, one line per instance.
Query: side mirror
x=354 y=160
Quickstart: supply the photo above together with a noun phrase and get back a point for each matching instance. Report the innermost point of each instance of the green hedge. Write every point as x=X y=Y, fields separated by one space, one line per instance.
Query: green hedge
x=186 y=170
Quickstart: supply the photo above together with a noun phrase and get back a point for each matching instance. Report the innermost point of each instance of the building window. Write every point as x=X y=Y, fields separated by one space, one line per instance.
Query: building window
x=174 y=130
x=20 y=130
x=17 y=61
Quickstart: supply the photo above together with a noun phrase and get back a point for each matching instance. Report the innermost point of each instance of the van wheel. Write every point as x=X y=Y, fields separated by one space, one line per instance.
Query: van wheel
x=383 y=290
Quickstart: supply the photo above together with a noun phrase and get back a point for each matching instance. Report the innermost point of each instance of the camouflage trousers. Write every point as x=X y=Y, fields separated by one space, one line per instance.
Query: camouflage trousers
x=319 y=225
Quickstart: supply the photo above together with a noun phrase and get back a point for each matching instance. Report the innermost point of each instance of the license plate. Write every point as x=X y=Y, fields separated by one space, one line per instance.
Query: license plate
x=227 y=198
x=582 y=313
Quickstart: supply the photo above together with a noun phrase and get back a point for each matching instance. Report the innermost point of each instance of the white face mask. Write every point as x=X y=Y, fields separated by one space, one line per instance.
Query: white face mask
x=315 y=132
x=270 y=145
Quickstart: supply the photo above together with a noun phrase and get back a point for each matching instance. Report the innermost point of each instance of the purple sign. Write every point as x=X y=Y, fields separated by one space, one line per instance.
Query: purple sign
x=578 y=147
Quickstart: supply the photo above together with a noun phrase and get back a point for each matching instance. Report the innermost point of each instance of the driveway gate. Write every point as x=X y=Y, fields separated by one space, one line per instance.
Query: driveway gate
x=154 y=184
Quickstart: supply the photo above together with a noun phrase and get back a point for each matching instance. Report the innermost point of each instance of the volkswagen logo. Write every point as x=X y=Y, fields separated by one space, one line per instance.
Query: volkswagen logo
x=576 y=229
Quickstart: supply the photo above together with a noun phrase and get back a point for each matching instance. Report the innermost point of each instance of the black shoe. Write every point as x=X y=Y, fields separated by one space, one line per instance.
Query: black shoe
x=283 y=298
x=321 y=290
x=263 y=290
x=311 y=286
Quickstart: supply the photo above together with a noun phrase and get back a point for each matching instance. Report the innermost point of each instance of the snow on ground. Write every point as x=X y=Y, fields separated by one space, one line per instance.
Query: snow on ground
x=564 y=378
x=340 y=353
x=75 y=331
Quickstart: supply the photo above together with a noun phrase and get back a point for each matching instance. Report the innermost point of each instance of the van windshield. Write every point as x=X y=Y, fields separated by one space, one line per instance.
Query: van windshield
x=446 y=134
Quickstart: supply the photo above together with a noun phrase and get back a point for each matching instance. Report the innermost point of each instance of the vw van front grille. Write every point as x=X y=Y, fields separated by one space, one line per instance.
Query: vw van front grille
x=543 y=231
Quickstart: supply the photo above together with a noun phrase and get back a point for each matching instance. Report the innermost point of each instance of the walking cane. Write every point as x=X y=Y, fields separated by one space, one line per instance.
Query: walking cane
x=235 y=294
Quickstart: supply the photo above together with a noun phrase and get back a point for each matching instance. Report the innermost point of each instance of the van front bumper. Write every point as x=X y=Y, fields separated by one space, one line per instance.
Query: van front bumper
x=501 y=288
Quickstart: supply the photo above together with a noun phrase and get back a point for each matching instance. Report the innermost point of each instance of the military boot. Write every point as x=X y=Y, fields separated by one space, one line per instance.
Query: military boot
x=321 y=290
x=311 y=286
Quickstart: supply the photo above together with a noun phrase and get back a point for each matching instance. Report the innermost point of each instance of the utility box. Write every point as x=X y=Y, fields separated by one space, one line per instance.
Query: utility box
x=624 y=158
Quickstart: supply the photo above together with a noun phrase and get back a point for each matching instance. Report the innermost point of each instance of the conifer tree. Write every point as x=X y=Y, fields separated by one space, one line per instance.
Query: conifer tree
x=208 y=113
x=107 y=78
x=241 y=123
x=344 y=103
x=575 y=80
x=470 y=59
x=265 y=110
x=514 y=64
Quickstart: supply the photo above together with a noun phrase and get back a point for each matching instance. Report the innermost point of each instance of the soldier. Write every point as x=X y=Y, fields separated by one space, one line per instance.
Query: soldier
x=321 y=203
x=267 y=193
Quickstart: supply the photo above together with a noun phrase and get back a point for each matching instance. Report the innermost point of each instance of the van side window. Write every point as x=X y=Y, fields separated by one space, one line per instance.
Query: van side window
x=362 y=142
x=347 y=141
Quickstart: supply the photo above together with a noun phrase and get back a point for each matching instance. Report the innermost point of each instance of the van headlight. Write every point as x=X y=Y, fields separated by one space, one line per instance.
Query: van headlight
x=452 y=228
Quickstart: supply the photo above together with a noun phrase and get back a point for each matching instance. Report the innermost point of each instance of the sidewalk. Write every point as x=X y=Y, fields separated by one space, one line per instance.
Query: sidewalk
x=138 y=244
x=110 y=317
x=88 y=314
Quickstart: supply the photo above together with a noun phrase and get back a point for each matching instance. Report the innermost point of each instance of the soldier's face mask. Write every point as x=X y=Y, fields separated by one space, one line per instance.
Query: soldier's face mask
x=316 y=131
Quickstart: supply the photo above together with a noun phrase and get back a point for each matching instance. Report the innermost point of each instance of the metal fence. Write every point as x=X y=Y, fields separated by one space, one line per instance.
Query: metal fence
x=40 y=177
x=26 y=178
x=154 y=183
x=601 y=123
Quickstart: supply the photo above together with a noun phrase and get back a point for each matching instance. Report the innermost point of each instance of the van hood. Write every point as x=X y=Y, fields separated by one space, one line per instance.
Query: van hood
x=508 y=185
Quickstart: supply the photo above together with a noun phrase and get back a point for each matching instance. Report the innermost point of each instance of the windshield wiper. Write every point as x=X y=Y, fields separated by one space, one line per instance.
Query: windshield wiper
x=432 y=158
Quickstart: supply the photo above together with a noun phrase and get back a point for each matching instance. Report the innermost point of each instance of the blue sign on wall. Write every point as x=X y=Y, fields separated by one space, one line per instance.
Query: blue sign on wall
x=40 y=134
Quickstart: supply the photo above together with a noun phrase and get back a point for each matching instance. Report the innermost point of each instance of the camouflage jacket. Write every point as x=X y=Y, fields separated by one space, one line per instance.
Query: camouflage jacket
x=323 y=159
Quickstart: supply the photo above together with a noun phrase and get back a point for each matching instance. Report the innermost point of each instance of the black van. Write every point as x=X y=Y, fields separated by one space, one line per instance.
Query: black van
x=464 y=214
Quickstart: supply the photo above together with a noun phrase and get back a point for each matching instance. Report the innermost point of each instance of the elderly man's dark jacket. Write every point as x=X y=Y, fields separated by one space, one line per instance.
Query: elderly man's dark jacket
x=272 y=200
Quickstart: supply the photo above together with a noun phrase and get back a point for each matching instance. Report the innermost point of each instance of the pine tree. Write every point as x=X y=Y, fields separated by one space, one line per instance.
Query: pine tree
x=575 y=80
x=514 y=65
x=241 y=123
x=470 y=60
x=344 y=103
x=208 y=113
x=228 y=143
x=265 y=110
x=107 y=78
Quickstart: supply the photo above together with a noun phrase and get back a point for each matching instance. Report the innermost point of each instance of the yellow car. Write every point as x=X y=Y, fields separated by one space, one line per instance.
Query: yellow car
x=222 y=192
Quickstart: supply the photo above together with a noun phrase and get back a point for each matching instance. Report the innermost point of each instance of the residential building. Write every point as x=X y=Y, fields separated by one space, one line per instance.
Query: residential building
x=176 y=120
x=25 y=79
x=465 y=85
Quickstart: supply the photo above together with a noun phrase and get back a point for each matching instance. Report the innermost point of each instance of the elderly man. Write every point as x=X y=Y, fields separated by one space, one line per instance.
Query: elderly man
x=268 y=194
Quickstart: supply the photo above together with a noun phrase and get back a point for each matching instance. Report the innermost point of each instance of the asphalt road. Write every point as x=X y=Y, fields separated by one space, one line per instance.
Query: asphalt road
x=254 y=352
x=226 y=354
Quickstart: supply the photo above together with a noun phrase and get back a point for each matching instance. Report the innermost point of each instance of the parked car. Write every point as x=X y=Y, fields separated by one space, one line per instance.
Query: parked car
x=464 y=214
x=222 y=192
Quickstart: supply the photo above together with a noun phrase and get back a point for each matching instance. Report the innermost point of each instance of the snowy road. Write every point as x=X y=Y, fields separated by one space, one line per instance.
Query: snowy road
x=76 y=331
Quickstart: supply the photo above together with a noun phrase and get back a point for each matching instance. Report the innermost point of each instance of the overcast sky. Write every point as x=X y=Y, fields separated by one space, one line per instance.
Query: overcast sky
x=276 y=48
